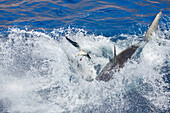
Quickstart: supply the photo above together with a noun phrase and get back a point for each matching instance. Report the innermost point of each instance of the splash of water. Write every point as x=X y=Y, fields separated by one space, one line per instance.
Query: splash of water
x=39 y=73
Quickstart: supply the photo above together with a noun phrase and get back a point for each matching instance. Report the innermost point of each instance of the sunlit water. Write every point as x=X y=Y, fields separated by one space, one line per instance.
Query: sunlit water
x=39 y=72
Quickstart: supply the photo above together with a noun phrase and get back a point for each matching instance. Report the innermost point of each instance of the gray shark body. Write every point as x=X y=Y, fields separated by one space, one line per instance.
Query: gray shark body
x=118 y=61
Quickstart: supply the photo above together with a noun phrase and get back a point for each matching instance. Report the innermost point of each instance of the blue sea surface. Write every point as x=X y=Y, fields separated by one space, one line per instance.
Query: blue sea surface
x=39 y=72
x=105 y=17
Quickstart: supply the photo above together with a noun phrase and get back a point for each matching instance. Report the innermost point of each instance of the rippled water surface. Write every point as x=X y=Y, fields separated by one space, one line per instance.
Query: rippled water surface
x=39 y=72
x=100 y=17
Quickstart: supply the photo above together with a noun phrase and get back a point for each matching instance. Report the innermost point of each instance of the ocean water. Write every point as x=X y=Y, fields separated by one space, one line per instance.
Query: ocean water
x=39 y=72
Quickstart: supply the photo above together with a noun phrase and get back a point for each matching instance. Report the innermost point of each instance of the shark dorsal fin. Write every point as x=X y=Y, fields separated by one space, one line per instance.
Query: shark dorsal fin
x=114 y=54
x=114 y=51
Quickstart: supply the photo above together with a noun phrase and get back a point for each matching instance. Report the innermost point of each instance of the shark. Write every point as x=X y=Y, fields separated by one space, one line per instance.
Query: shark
x=119 y=60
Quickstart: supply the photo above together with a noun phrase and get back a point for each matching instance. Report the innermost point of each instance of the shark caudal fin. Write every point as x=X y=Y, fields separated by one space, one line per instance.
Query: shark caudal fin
x=153 y=27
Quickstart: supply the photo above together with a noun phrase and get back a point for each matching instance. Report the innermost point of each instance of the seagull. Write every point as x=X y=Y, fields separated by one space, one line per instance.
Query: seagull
x=82 y=52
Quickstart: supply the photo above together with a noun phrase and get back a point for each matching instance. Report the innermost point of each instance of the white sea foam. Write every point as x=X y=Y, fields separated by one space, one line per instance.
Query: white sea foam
x=39 y=73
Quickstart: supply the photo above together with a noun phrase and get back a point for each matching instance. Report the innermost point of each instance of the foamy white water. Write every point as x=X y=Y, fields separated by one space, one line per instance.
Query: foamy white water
x=40 y=73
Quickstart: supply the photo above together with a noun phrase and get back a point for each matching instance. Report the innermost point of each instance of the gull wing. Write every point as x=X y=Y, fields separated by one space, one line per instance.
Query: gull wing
x=82 y=52
x=75 y=44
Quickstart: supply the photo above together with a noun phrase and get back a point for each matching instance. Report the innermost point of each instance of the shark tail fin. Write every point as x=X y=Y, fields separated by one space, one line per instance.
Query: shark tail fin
x=153 y=27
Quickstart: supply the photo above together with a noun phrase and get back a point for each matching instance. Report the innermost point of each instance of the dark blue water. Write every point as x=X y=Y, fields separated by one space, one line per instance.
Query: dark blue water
x=39 y=72
x=105 y=17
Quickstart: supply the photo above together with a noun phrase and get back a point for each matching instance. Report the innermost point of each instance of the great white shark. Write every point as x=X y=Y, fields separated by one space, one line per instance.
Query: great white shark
x=118 y=61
